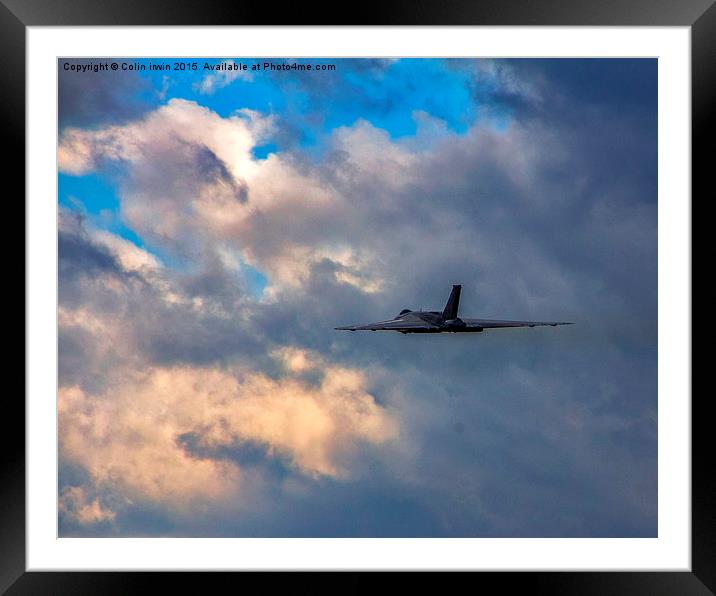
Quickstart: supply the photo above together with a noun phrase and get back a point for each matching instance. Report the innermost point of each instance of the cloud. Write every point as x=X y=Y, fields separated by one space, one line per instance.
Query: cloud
x=75 y=505
x=128 y=438
x=129 y=255
x=189 y=175
x=166 y=128
x=227 y=72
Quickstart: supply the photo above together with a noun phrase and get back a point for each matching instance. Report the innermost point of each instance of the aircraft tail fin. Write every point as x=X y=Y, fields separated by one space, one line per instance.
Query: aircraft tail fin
x=450 y=310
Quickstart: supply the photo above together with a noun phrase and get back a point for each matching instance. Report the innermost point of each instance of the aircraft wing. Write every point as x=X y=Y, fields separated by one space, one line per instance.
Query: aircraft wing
x=495 y=324
x=393 y=325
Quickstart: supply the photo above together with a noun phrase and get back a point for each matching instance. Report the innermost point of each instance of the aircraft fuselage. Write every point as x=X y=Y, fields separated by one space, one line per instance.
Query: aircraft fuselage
x=443 y=325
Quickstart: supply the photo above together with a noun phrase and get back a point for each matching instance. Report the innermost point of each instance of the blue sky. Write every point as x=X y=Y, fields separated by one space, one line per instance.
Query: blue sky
x=214 y=229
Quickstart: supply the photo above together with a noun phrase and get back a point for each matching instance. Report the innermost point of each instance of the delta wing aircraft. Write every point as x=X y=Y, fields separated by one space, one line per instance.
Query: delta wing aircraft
x=447 y=321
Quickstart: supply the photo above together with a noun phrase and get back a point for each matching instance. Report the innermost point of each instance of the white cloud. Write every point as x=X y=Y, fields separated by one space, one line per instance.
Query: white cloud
x=227 y=72
x=129 y=255
x=165 y=130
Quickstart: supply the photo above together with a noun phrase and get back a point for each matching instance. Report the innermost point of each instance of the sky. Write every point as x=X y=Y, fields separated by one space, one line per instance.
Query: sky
x=215 y=225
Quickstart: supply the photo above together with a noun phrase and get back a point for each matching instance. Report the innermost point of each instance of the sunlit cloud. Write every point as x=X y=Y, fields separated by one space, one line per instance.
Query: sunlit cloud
x=129 y=438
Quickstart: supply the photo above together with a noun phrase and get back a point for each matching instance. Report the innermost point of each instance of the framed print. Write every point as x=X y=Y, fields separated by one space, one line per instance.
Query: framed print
x=364 y=297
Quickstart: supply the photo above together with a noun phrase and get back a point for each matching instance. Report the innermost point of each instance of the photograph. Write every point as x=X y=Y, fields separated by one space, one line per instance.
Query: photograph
x=391 y=297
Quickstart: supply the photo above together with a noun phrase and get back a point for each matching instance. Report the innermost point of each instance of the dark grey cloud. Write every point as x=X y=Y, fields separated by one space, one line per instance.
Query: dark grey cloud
x=89 y=99
x=78 y=256
x=608 y=105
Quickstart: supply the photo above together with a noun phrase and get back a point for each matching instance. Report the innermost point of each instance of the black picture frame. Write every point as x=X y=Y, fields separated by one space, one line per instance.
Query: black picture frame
x=16 y=15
